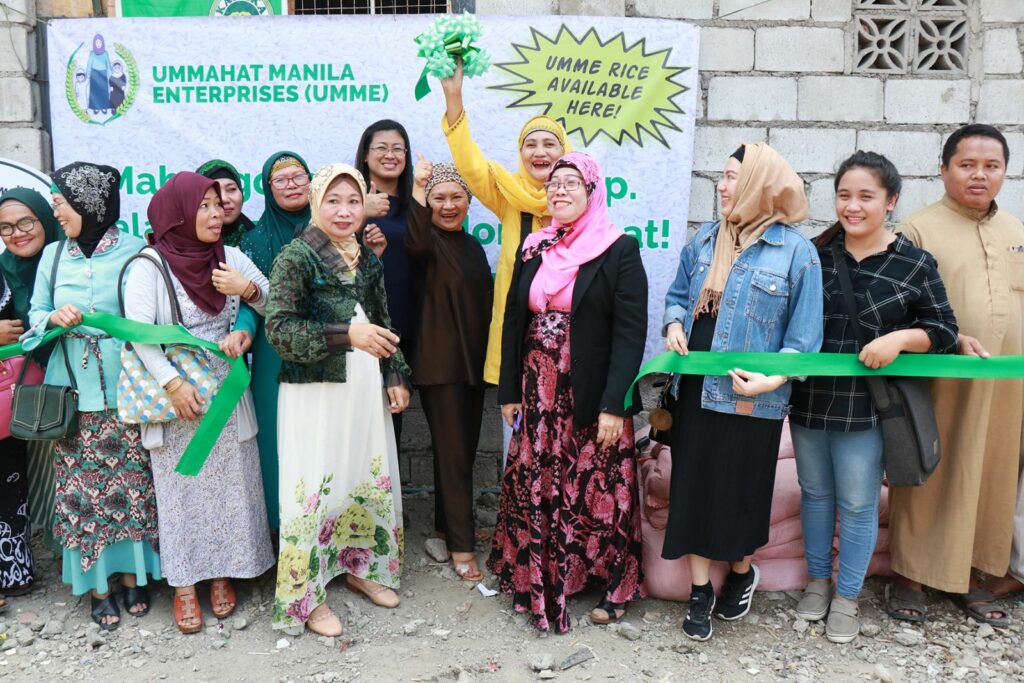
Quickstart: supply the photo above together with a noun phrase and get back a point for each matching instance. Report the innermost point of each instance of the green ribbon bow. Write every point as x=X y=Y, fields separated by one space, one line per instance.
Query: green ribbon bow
x=829 y=364
x=447 y=40
x=223 y=404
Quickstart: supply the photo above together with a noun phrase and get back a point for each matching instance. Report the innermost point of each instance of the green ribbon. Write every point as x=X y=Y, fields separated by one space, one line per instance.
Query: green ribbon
x=830 y=364
x=222 y=405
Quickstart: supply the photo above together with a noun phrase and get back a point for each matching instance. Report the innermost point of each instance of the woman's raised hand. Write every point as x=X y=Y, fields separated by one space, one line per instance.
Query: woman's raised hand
x=423 y=170
x=453 y=84
x=229 y=282
x=377 y=203
x=374 y=239
x=379 y=342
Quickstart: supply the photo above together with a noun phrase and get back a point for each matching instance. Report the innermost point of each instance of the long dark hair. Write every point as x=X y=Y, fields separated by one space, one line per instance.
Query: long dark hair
x=404 y=180
x=880 y=167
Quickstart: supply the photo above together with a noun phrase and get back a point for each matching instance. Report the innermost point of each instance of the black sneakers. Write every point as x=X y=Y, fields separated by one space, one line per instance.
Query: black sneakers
x=737 y=594
x=697 y=624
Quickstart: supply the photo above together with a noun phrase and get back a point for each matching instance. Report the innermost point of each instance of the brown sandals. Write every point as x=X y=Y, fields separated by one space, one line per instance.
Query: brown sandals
x=222 y=592
x=186 y=610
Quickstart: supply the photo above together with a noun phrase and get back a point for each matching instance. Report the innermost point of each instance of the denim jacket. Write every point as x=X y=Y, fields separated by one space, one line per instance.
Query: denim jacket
x=772 y=302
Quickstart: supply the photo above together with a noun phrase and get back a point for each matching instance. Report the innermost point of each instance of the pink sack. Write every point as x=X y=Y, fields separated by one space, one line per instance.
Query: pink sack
x=9 y=371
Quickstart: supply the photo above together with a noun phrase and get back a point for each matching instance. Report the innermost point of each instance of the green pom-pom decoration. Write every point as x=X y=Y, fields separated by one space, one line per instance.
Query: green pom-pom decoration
x=449 y=38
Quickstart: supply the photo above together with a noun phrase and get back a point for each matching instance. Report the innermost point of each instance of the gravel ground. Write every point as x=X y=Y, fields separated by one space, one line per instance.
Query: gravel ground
x=447 y=630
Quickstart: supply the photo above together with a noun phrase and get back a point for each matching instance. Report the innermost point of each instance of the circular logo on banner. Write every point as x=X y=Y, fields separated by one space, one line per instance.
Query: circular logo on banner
x=101 y=83
x=243 y=8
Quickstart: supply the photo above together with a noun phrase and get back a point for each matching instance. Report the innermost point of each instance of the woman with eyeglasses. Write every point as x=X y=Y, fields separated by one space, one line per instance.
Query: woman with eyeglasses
x=574 y=335
x=26 y=226
x=383 y=157
x=286 y=191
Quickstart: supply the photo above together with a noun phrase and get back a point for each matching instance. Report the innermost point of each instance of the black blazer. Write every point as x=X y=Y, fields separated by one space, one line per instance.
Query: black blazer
x=608 y=331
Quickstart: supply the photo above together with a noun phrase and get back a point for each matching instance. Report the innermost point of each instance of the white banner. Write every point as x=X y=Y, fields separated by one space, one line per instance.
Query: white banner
x=156 y=96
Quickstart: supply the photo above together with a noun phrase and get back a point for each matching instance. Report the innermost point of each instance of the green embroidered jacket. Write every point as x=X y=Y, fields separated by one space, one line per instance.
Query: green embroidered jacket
x=313 y=299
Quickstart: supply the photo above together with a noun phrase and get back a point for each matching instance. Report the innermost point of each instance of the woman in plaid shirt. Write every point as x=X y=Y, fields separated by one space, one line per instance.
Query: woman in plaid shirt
x=902 y=306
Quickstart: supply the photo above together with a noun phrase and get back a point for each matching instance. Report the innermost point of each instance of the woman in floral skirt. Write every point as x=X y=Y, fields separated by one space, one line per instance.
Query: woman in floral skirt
x=574 y=334
x=341 y=507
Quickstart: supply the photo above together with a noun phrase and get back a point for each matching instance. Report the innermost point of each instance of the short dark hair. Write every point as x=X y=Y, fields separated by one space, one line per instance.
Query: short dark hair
x=973 y=130
x=404 y=180
x=880 y=167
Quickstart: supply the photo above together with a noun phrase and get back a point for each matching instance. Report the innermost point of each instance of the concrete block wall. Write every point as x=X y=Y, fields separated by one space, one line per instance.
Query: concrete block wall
x=22 y=137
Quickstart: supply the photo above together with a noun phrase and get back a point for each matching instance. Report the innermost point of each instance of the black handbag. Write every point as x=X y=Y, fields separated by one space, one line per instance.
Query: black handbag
x=909 y=432
x=45 y=412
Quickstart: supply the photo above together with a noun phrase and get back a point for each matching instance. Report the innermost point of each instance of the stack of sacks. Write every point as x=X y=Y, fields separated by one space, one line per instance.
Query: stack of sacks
x=781 y=560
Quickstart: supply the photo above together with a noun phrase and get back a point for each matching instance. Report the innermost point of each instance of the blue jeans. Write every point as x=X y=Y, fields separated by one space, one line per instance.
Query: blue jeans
x=839 y=471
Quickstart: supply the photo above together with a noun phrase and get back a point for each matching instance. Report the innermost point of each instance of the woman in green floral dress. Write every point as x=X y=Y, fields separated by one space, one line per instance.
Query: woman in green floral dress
x=341 y=506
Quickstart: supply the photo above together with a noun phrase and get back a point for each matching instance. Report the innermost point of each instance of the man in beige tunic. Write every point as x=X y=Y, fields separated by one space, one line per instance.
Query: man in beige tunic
x=963 y=516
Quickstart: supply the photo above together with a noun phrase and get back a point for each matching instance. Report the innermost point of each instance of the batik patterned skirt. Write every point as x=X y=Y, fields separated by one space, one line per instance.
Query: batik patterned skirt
x=569 y=510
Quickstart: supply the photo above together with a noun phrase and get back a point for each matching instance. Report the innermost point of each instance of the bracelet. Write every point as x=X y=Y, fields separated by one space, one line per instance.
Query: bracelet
x=252 y=292
x=173 y=385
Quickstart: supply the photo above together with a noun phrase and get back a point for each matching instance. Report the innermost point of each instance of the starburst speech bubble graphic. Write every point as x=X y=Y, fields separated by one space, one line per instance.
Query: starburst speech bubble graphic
x=597 y=88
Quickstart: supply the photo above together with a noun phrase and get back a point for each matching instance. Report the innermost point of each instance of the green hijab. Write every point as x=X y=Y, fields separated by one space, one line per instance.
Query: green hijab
x=276 y=227
x=20 y=273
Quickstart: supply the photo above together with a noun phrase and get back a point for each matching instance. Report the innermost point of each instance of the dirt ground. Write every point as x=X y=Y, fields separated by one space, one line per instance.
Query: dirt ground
x=447 y=630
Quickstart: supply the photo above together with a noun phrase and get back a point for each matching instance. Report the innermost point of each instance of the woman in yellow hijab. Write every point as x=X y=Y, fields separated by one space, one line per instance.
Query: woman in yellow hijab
x=517 y=199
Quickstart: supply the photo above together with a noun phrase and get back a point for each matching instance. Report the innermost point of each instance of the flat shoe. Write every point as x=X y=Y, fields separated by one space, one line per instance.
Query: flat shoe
x=382 y=596
x=813 y=606
x=977 y=603
x=843 y=623
x=326 y=623
x=899 y=597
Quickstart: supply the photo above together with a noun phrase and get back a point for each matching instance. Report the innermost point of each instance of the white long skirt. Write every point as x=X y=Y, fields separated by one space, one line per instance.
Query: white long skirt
x=341 y=501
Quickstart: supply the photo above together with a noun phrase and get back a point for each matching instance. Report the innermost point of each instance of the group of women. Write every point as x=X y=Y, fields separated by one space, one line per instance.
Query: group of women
x=358 y=283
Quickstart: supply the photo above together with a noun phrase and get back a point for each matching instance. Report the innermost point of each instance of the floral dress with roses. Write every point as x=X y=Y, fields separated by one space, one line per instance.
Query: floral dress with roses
x=341 y=507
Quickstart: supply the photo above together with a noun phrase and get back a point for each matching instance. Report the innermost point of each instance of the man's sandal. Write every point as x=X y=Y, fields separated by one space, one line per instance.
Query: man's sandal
x=105 y=607
x=978 y=603
x=382 y=596
x=136 y=595
x=222 y=592
x=186 y=609
x=899 y=600
x=608 y=612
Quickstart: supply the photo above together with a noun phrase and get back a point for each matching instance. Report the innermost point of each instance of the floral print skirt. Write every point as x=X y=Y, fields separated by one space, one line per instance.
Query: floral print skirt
x=569 y=513
x=104 y=490
x=341 y=502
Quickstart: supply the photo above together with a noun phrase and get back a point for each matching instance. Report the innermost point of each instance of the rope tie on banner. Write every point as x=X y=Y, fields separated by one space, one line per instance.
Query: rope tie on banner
x=223 y=403
x=719 y=363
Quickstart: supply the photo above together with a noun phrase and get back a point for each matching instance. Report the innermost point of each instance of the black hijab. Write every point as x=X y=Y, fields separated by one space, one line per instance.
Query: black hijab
x=92 y=191
x=218 y=169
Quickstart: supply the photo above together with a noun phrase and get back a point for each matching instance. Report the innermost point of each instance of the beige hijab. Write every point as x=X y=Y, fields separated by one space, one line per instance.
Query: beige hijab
x=768 y=191
x=348 y=247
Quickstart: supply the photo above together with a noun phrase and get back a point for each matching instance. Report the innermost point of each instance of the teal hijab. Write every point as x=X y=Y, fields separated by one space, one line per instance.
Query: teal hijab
x=20 y=273
x=276 y=227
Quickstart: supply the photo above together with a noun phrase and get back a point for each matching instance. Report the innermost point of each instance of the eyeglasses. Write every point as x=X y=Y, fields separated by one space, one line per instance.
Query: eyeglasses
x=570 y=185
x=300 y=180
x=382 y=150
x=24 y=225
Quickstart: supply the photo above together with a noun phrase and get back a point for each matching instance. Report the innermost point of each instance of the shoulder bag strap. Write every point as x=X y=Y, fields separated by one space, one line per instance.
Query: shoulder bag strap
x=877 y=386
x=161 y=265
x=63 y=345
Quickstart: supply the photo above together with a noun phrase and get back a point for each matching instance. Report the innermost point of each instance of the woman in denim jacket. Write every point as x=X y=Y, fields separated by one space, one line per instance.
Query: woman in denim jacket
x=751 y=282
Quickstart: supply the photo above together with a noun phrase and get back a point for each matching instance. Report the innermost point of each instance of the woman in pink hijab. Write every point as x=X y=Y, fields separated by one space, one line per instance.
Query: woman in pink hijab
x=575 y=328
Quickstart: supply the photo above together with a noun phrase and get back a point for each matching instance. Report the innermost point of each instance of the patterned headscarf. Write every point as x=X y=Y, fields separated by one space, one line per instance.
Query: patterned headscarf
x=349 y=247
x=285 y=162
x=92 y=192
x=446 y=173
